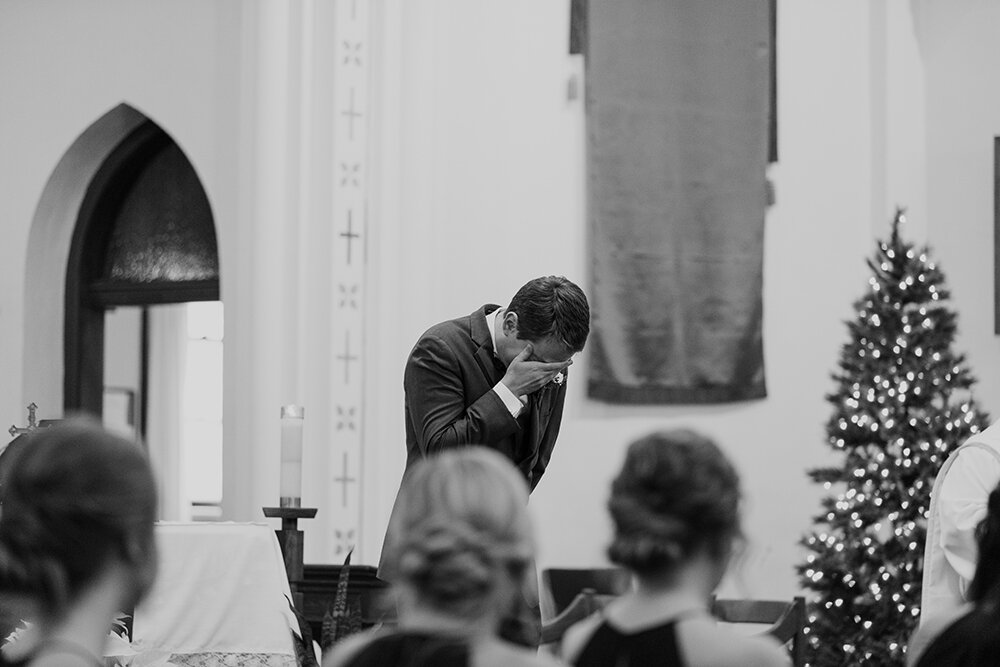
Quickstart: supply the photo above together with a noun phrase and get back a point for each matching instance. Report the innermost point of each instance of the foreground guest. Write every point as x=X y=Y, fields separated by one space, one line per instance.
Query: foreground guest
x=974 y=639
x=675 y=507
x=76 y=541
x=9 y=620
x=458 y=549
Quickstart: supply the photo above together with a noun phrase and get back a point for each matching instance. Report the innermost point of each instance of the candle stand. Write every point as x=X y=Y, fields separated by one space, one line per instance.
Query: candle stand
x=291 y=540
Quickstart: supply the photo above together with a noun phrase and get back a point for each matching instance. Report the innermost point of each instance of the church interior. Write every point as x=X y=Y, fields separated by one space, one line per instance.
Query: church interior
x=342 y=174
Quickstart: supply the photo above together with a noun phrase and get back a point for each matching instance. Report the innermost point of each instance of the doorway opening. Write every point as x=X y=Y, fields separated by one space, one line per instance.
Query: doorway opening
x=143 y=320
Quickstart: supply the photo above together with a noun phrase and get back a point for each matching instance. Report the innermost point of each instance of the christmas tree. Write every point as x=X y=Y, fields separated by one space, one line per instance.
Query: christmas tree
x=902 y=404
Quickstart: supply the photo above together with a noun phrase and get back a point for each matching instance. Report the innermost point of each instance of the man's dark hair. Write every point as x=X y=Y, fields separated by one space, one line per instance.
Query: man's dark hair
x=552 y=305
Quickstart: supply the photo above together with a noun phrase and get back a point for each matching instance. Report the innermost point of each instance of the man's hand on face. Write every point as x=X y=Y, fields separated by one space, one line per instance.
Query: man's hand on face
x=525 y=376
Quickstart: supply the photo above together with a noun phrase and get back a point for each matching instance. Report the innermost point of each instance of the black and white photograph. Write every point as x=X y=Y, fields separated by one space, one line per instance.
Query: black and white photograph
x=459 y=333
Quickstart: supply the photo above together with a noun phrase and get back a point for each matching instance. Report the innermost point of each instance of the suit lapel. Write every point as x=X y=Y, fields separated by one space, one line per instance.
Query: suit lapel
x=480 y=334
x=484 y=357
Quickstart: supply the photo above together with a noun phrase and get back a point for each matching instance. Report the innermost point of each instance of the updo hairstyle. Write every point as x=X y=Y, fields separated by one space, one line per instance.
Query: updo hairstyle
x=676 y=494
x=73 y=498
x=462 y=530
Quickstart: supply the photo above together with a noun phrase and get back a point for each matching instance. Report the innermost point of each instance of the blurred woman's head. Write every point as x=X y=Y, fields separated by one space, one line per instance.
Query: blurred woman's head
x=677 y=496
x=75 y=500
x=462 y=541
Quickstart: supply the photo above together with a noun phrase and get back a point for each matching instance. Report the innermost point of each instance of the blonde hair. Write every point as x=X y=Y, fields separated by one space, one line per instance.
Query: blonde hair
x=462 y=529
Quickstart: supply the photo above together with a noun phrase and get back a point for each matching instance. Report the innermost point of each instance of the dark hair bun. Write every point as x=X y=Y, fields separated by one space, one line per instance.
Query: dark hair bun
x=676 y=493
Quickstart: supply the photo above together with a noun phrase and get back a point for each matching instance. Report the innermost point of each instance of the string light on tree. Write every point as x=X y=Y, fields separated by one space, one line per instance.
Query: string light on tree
x=902 y=403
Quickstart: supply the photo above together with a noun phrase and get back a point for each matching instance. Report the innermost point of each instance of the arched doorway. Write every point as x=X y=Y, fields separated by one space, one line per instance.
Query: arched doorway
x=144 y=235
x=143 y=245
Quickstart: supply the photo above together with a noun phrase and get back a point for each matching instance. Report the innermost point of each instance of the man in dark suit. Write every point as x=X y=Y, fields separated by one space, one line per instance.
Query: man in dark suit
x=497 y=377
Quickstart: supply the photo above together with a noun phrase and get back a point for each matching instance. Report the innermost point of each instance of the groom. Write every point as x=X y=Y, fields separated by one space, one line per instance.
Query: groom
x=497 y=377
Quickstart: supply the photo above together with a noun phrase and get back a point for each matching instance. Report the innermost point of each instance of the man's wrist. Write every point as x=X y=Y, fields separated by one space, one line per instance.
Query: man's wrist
x=513 y=404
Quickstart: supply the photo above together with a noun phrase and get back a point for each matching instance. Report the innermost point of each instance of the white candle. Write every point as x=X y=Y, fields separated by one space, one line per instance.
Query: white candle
x=290 y=489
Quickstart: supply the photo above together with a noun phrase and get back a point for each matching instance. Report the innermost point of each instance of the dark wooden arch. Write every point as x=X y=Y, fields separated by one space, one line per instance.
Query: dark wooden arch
x=89 y=293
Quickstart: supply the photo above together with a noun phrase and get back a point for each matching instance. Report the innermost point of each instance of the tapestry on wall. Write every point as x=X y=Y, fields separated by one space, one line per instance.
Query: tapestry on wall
x=677 y=122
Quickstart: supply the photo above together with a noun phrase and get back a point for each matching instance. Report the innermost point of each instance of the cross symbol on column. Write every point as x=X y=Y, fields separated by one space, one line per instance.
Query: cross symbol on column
x=348 y=297
x=32 y=423
x=347 y=357
x=345 y=418
x=344 y=480
x=351 y=174
x=351 y=114
x=345 y=541
x=352 y=55
x=350 y=235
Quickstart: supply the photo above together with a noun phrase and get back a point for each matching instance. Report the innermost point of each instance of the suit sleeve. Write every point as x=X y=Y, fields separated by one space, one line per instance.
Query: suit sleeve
x=436 y=395
x=548 y=441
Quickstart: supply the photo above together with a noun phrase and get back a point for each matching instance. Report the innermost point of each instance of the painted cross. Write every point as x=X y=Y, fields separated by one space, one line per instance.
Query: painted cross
x=32 y=423
x=345 y=418
x=347 y=357
x=344 y=479
x=352 y=53
x=345 y=541
x=349 y=297
x=349 y=235
x=350 y=174
x=351 y=113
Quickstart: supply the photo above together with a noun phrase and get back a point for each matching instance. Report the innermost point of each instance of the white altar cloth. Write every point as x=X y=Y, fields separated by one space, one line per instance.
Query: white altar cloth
x=220 y=597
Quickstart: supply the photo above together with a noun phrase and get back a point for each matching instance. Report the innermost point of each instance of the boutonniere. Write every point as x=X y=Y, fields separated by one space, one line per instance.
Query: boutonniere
x=559 y=378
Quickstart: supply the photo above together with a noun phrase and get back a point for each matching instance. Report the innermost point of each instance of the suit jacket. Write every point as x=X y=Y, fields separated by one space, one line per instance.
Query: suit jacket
x=450 y=402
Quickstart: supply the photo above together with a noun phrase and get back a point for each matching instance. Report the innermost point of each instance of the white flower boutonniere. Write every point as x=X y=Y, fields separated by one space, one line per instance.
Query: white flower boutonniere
x=559 y=378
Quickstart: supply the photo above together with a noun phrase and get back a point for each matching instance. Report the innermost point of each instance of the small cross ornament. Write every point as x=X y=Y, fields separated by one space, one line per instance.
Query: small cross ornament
x=32 y=423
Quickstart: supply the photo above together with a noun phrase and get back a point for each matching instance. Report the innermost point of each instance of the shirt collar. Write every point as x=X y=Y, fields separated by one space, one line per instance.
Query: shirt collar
x=491 y=319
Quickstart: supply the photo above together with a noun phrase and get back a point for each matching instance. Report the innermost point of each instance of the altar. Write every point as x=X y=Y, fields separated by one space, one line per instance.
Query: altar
x=221 y=597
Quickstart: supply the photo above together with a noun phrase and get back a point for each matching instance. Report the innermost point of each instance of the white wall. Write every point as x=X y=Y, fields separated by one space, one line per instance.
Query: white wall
x=64 y=66
x=480 y=185
x=958 y=45
x=245 y=89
